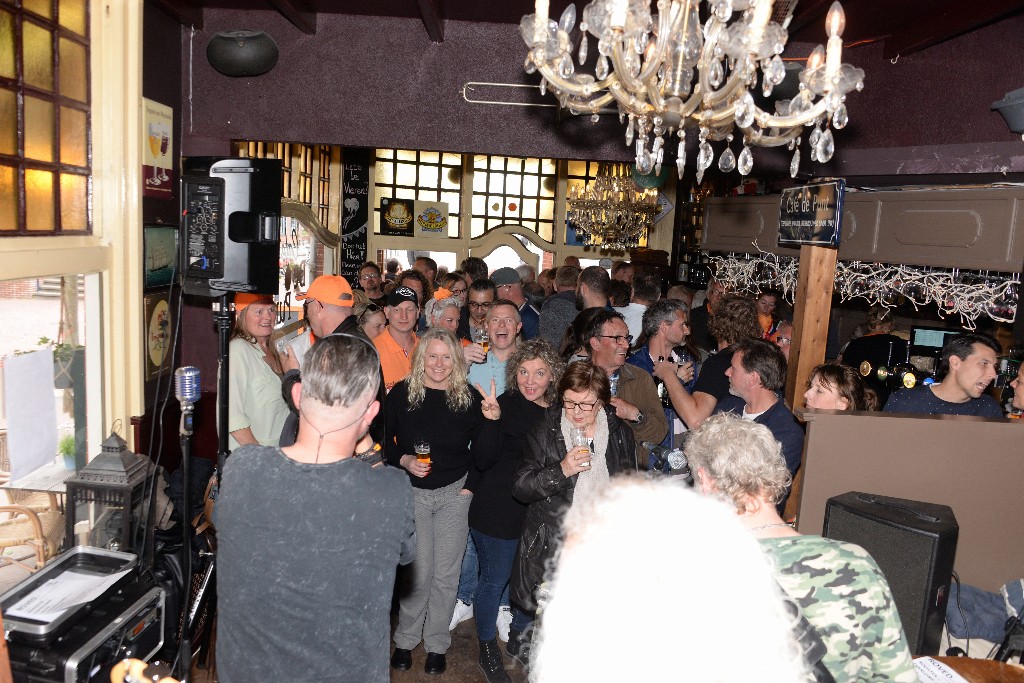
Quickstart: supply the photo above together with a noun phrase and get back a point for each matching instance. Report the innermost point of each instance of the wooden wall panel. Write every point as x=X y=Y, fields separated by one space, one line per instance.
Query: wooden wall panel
x=977 y=229
x=968 y=463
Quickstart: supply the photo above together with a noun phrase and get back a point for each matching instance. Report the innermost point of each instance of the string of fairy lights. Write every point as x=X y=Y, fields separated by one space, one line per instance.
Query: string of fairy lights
x=954 y=292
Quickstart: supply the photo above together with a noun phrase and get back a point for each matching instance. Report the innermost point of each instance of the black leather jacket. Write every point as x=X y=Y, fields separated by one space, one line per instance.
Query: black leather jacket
x=540 y=483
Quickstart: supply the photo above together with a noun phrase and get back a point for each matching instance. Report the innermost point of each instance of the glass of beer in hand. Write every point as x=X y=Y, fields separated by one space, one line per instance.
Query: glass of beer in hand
x=422 y=449
x=482 y=339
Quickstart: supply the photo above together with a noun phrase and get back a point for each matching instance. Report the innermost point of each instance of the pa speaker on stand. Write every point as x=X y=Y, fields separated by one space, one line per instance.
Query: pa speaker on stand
x=914 y=544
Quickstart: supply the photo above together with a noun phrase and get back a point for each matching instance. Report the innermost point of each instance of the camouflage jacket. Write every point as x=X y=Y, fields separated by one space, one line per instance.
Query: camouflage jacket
x=843 y=594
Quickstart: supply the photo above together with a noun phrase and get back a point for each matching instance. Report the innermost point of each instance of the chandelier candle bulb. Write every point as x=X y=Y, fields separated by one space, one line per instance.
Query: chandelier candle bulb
x=540 y=21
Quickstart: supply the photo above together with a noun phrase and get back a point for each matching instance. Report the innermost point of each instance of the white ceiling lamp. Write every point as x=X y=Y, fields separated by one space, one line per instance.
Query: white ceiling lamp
x=670 y=71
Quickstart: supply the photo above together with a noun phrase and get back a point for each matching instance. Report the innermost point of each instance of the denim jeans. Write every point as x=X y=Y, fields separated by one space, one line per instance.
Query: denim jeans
x=470 y=576
x=470 y=573
x=496 y=556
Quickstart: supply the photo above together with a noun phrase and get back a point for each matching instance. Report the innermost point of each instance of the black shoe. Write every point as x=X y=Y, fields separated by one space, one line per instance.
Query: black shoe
x=435 y=664
x=514 y=643
x=491 y=664
x=402 y=659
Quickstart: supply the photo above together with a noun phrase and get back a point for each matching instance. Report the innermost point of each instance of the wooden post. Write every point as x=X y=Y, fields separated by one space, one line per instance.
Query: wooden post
x=813 y=304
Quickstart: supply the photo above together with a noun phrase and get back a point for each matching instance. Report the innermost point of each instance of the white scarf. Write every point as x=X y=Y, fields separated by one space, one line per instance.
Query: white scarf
x=589 y=481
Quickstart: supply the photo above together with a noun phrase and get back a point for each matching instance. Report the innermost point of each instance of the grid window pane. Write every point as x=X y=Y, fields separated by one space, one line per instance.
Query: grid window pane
x=8 y=199
x=74 y=214
x=73 y=64
x=546 y=230
x=578 y=168
x=7 y=45
x=512 y=187
x=451 y=178
x=38 y=55
x=72 y=15
x=547 y=209
x=40 y=7
x=421 y=175
x=39 y=128
x=405 y=174
x=8 y=122
x=46 y=90
x=384 y=173
x=429 y=176
x=38 y=200
x=547 y=166
x=73 y=137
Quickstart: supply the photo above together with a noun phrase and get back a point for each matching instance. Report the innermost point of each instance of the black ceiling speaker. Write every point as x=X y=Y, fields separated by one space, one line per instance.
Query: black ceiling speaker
x=242 y=53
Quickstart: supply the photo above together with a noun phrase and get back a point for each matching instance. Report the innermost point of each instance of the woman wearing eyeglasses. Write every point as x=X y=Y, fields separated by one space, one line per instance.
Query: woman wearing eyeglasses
x=555 y=474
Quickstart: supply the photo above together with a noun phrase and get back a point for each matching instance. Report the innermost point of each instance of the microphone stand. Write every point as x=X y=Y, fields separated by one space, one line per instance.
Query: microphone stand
x=184 y=645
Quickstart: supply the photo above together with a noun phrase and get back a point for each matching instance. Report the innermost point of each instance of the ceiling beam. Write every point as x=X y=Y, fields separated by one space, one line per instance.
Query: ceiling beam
x=293 y=11
x=430 y=10
x=944 y=21
x=185 y=13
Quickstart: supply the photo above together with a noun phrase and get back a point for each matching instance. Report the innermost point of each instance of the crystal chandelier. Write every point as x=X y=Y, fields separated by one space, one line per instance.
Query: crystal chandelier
x=613 y=212
x=667 y=72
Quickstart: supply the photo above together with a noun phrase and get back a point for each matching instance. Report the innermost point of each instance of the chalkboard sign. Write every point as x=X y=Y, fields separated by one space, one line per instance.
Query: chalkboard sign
x=812 y=214
x=356 y=209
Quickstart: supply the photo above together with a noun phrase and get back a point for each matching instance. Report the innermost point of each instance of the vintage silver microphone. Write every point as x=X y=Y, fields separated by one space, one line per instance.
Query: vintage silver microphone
x=187 y=390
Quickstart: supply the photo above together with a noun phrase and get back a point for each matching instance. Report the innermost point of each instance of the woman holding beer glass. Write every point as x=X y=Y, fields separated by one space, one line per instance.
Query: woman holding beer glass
x=432 y=416
x=556 y=472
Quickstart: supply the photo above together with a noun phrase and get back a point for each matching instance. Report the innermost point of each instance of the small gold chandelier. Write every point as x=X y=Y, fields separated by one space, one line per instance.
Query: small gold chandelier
x=668 y=71
x=612 y=212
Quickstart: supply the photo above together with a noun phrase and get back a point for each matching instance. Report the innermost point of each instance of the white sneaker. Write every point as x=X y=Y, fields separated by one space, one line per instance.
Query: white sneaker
x=461 y=613
x=504 y=623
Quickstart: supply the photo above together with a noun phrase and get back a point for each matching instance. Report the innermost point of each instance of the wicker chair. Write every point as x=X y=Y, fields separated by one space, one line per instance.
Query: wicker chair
x=43 y=532
x=32 y=519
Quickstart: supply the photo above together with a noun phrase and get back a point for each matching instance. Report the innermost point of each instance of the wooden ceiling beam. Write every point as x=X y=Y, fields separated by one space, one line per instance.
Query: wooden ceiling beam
x=293 y=11
x=944 y=21
x=185 y=13
x=430 y=10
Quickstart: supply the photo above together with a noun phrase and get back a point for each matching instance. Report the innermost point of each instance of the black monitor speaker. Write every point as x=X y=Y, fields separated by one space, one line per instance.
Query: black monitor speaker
x=231 y=215
x=914 y=544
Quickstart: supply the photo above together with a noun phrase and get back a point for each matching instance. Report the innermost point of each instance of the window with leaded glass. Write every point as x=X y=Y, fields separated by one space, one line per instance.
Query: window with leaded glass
x=45 y=150
x=427 y=176
x=514 y=190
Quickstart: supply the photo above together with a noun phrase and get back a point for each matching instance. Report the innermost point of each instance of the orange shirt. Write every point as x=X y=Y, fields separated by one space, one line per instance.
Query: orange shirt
x=394 y=361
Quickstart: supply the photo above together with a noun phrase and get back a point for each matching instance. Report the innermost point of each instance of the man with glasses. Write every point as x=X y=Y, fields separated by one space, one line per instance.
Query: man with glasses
x=503 y=326
x=370 y=281
x=481 y=296
x=634 y=394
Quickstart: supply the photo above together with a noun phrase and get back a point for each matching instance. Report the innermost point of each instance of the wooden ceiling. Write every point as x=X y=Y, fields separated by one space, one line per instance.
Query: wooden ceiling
x=904 y=26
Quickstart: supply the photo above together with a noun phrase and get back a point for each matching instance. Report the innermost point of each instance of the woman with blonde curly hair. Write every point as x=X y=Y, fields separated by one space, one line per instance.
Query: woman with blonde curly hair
x=433 y=405
x=496 y=518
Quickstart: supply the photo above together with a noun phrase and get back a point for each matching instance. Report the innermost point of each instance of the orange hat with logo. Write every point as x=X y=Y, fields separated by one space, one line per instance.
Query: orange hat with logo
x=330 y=290
x=243 y=299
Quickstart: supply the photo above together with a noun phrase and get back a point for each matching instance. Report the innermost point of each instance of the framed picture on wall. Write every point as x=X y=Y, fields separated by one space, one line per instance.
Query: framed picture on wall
x=160 y=255
x=157 y=333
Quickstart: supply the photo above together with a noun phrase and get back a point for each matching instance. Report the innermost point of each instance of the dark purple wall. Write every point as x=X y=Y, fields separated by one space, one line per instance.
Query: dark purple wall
x=363 y=81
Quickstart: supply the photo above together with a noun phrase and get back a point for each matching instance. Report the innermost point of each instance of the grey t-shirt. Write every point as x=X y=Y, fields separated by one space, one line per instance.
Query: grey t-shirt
x=306 y=567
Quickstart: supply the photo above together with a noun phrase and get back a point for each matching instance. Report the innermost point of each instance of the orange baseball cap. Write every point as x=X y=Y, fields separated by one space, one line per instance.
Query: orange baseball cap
x=330 y=290
x=243 y=299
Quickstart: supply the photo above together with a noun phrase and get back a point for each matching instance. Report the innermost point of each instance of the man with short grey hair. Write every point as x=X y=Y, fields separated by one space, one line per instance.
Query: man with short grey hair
x=559 y=309
x=510 y=288
x=344 y=576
